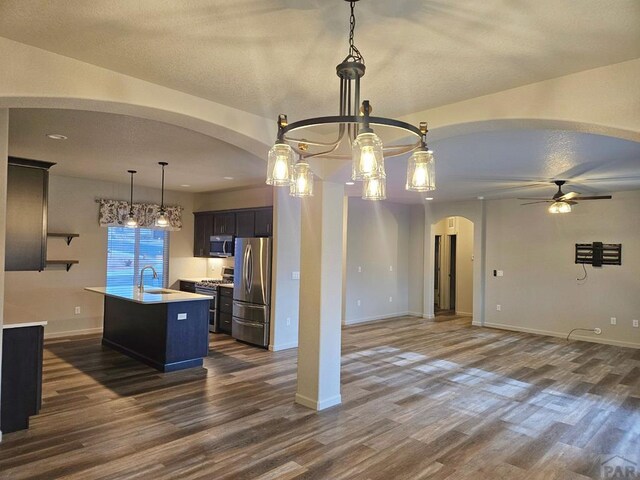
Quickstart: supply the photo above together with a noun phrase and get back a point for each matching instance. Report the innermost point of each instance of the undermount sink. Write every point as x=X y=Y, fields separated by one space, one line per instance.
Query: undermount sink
x=159 y=291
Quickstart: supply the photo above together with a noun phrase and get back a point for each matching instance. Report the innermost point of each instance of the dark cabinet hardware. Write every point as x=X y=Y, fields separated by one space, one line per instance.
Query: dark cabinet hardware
x=66 y=263
x=67 y=236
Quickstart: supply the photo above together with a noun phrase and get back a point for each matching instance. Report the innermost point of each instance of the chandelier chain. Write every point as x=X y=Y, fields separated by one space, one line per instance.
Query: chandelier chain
x=354 y=53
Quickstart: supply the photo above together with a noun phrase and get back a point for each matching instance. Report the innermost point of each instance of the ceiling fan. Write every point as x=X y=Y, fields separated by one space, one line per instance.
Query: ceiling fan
x=561 y=202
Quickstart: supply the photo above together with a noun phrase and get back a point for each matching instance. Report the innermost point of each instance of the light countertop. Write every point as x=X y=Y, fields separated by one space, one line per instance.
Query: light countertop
x=164 y=295
x=23 y=324
x=197 y=279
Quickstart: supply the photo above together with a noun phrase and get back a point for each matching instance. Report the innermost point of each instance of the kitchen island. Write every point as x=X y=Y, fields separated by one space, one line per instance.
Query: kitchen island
x=166 y=329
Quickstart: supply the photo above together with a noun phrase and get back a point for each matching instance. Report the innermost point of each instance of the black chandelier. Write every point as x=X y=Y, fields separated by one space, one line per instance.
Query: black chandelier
x=349 y=135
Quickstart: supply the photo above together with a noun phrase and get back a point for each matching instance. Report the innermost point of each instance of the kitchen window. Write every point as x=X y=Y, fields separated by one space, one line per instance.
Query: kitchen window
x=131 y=249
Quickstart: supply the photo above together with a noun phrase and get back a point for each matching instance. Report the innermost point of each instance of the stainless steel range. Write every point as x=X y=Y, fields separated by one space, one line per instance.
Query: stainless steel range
x=210 y=287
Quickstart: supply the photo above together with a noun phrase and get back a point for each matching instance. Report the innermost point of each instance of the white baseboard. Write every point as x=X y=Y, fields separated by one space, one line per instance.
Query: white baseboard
x=356 y=321
x=72 y=333
x=318 y=404
x=283 y=346
x=586 y=338
x=429 y=316
x=464 y=314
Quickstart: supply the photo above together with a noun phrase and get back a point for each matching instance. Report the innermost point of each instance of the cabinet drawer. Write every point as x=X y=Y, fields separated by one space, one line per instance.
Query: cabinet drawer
x=226 y=292
x=226 y=304
x=225 y=322
x=187 y=286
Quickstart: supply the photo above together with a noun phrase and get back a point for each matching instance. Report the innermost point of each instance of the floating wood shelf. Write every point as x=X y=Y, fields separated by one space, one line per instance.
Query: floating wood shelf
x=67 y=263
x=68 y=236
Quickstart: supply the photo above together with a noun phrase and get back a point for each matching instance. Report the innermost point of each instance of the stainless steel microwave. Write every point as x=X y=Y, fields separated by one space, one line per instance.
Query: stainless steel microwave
x=221 y=246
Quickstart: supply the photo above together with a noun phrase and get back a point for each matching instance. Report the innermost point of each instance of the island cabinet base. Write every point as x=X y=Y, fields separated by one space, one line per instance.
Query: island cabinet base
x=167 y=336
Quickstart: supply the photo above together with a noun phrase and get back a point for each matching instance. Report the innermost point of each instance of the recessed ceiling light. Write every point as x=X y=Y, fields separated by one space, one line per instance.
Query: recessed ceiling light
x=228 y=178
x=350 y=183
x=56 y=136
x=185 y=185
x=429 y=198
x=480 y=198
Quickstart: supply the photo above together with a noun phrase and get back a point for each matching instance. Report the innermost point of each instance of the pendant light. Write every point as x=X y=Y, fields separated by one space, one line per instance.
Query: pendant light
x=420 y=168
x=374 y=188
x=367 y=151
x=280 y=161
x=301 y=177
x=131 y=221
x=162 y=220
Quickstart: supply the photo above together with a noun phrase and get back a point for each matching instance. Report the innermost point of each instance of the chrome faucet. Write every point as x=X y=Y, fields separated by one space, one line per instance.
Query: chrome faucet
x=155 y=275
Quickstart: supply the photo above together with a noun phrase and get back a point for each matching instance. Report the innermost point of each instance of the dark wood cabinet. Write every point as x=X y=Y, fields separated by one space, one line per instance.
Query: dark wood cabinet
x=21 y=394
x=202 y=230
x=225 y=309
x=187 y=286
x=245 y=223
x=224 y=224
x=248 y=222
x=26 y=238
x=263 y=222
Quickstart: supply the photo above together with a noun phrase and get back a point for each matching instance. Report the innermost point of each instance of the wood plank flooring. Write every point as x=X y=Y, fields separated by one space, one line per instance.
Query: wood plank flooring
x=420 y=400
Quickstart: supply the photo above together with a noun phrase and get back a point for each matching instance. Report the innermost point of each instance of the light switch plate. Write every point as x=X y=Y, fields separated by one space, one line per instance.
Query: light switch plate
x=182 y=316
x=295 y=275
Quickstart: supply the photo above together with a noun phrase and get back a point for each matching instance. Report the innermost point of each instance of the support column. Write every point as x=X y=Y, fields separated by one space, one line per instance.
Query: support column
x=285 y=289
x=321 y=280
x=4 y=153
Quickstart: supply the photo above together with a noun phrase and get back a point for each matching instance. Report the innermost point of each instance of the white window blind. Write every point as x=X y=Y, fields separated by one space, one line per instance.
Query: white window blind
x=130 y=249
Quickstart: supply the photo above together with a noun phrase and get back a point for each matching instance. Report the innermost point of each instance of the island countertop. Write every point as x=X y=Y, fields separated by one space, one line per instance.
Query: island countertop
x=161 y=295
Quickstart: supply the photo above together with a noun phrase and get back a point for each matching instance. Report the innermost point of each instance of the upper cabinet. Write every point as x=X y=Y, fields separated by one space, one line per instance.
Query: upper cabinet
x=26 y=238
x=264 y=223
x=224 y=223
x=202 y=230
x=248 y=222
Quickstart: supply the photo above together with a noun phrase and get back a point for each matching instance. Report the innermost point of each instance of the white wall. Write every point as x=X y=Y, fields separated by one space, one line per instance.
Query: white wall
x=416 y=260
x=250 y=197
x=539 y=291
x=4 y=152
x=53 y=294
x=377 y=238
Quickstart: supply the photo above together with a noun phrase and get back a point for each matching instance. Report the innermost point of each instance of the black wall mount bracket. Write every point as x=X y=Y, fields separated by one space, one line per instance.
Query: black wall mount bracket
x=599 y=254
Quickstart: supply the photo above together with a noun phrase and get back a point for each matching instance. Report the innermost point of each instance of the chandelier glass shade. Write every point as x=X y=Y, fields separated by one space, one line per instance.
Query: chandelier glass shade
x=560 y=207
x=354 y=134
x=301 y=180
x=421 y=172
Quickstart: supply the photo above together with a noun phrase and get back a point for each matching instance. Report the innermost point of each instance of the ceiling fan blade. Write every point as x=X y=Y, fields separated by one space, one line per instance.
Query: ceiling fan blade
x=542 y=199
x=569 y=196
x=539 y=201
x=599 y=197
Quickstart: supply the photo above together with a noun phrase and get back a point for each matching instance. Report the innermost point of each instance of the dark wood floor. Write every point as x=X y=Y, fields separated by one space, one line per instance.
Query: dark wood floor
x=420 y=400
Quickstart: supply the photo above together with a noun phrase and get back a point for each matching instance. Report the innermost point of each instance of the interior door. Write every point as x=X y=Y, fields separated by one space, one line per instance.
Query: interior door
x=437 y=272
x=452 y=272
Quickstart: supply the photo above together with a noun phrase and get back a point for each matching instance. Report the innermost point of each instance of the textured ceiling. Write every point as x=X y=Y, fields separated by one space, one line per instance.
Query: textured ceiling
x=104 y=146
x=273 y=56
x=503 y=164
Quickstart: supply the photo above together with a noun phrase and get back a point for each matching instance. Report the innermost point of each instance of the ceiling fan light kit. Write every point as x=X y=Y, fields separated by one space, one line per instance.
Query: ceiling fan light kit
x=561 y=202
x=352 y=134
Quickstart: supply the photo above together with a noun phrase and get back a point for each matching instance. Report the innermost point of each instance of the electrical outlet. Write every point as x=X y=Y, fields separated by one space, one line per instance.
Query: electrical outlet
x=359 y=269
x=295 y=275
x=358 y=302
x=182 y=316
x=391 y=268
x=499 y=308
x=390 y=299
x=614 y=321
x=500 y=273
x=288 y=321
x=77 y=310
x=635 y=323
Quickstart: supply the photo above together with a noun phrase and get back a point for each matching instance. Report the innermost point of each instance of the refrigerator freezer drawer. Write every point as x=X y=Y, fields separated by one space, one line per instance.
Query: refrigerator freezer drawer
x=250 y=332
x=251 y=312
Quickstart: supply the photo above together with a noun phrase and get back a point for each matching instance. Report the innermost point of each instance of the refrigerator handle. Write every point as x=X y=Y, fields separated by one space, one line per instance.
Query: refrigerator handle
x=245 y=268
x=250 y=269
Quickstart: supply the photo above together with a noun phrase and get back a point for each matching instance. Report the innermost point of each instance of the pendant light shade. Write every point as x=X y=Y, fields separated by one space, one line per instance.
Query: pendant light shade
x=131 y=221
x=280 y=165
x=301 y=180
x=421 y=172
x=162 y=220
x=368 y=160
x=560 y=207
x=374 y=188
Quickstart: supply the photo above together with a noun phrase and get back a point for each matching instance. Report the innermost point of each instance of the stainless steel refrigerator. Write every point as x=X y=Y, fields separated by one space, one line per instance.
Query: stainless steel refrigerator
x=252 y=290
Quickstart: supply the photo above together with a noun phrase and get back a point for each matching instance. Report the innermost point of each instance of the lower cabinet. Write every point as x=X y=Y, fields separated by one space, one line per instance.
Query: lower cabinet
x=21 y=395
x=225 y=309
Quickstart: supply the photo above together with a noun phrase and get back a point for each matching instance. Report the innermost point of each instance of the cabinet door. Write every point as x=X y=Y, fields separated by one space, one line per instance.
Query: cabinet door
x=26 y=241
x=202 y=230
x=264 y=222
x=224 y=224
x=245 y=224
